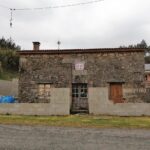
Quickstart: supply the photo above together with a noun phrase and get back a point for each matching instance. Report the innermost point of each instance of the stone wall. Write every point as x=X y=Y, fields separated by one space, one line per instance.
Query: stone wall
x=128 y=109
x=99 y=70
x=103 y=106
x=9 y=87
x=32 y=109
x=58 y=106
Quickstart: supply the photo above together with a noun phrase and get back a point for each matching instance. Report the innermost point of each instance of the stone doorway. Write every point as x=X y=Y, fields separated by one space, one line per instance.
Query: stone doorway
x=79 y=98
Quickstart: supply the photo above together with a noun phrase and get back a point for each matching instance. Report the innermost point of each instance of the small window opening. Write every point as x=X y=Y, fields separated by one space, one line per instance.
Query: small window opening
x=44 y=92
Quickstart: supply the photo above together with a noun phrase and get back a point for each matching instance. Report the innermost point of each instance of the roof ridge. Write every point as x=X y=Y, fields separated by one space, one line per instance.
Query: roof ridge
x=74 y=49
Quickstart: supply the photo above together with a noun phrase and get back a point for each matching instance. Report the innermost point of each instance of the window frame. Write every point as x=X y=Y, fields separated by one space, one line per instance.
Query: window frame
x=44 y=91
x=79 y=90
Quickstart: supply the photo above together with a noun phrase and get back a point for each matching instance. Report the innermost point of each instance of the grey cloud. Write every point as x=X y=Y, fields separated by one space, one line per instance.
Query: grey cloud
x=106 y=24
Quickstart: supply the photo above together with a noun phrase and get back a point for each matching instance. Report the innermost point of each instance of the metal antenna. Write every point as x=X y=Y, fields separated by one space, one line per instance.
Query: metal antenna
x=58 y=45
x=11 y=16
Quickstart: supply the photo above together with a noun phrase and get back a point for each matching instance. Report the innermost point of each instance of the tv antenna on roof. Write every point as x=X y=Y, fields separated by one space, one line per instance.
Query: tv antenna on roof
x=11 y=16
x=58 y=44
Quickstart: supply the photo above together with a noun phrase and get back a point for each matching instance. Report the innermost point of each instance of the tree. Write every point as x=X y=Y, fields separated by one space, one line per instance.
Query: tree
x=9 y=60
x=6 y=44
x=8 y=56
x=142 y=44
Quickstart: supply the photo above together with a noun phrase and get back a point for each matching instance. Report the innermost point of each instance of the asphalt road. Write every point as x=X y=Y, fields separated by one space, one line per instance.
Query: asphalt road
x=55 y=138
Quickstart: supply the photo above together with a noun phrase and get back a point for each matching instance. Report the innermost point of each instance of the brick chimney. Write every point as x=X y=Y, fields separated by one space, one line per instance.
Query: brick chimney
x=36 y=46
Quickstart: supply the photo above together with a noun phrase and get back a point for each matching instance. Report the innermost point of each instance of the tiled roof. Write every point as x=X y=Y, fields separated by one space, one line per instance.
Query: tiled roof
x=74 y=51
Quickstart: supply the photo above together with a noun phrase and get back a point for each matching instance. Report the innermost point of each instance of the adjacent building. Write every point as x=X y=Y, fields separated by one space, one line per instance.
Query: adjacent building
x=147 y=75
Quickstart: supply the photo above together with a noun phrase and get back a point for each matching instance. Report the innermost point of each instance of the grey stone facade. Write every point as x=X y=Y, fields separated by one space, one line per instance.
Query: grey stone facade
x=100 y=68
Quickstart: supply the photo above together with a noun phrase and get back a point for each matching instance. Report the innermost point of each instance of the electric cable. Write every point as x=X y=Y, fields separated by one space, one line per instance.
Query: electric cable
x=46 y=8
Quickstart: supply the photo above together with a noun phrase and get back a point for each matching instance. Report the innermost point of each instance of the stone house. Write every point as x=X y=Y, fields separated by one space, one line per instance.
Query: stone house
x=81 y=79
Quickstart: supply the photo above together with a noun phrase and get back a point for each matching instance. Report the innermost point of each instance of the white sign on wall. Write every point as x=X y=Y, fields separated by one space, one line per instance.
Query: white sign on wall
x=79 y=66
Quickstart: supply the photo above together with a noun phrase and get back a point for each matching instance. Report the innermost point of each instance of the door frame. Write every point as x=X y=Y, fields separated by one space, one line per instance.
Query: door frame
x=87 y=99
x=116 y=83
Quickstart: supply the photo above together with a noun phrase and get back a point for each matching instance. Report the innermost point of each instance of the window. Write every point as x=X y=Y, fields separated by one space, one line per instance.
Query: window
x=44 y=92
x=75 y=91
x=79 y=90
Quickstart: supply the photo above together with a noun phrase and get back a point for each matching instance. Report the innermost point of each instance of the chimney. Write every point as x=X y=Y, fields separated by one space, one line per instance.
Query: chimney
x=36 y=46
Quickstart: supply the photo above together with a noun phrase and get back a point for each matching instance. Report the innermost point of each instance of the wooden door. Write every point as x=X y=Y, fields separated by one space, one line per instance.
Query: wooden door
x=79 y=98
x=116 y=94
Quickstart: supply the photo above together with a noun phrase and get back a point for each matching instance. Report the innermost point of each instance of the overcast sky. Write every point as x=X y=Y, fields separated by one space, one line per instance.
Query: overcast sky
x=109 y=23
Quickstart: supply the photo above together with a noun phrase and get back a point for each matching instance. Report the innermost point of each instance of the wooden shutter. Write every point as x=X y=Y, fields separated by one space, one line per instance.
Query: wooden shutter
x=116 y=94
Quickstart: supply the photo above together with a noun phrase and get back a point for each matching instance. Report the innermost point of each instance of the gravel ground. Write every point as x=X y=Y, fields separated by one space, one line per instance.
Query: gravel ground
x=58 y=138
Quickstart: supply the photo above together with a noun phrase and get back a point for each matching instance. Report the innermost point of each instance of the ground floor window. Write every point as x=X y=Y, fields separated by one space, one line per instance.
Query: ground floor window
x=44 y=92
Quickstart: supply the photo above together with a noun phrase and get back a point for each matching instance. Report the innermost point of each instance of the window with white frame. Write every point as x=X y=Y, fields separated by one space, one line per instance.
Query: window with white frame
x=79 y=90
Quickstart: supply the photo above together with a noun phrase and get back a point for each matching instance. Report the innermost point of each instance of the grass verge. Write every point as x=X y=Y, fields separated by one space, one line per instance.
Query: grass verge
x=8 y=75
x=78 y=121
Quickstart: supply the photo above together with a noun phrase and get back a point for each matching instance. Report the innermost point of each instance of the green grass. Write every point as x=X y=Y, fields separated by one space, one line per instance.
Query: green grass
x=8 y=75
x=78 y=121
